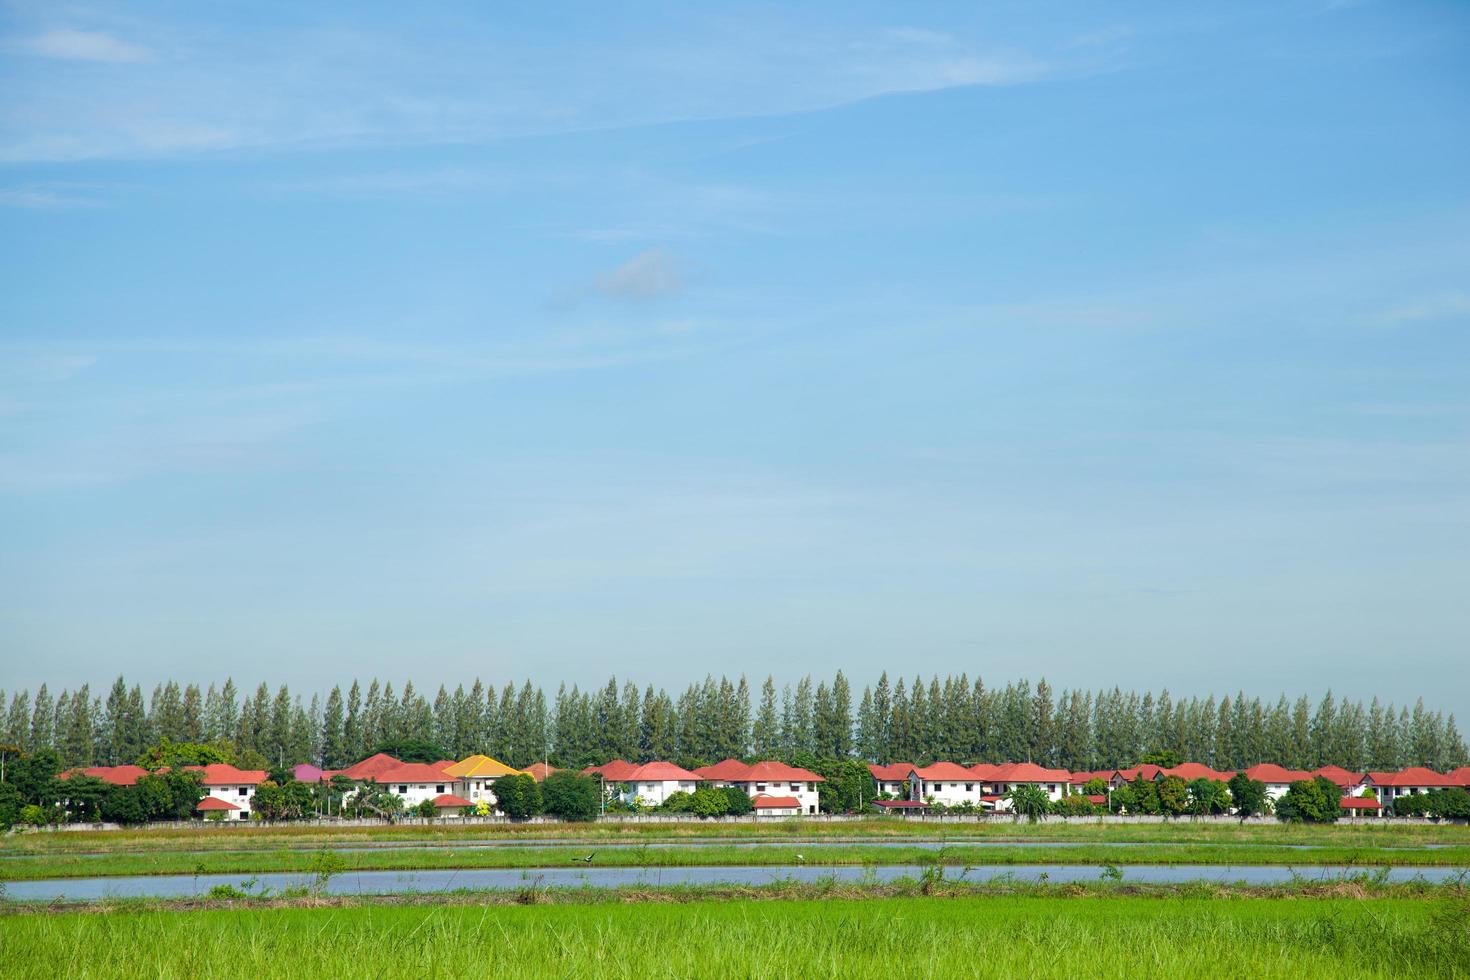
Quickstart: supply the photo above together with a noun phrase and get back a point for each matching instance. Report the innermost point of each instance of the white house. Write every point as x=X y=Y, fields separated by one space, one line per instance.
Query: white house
x=947 y=783
x=654 y=782
x=415 y=782
x=1277 y=779
x=1389 y=786
x=1000 y=780
x=778 y=779
x=473 y=776
x=230 y=785
x=892 y=779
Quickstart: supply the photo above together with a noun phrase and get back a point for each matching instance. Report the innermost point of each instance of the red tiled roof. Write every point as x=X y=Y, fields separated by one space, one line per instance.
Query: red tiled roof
x=726 y=771
x=1339 y=775
x=215 y=803
x=892 y=773
x=901 y=804
x=764 y=802
x=615 y=771
x=1190 y=771
x=1083 y=778
x=656 y=772
x=946 y=770
x=112 y=775
x=772 y=771
x=371 y=766
x=1460 y=776
x=1360 y=803
x=413 y=772
x=1148 y=771
x=1098 y=799
x=1412 y=776
x=984 y=770
x=443 y=764
x=221 y=774
x=449 y=799
x=539 y=771
x=1027 y=772
x=1269 y=772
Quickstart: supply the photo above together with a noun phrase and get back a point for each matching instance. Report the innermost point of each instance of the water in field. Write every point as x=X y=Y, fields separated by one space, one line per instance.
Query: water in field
x=397 y=882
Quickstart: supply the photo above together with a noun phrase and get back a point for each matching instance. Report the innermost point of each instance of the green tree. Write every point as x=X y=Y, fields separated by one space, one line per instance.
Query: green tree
x=1311 y=801
x=737 y=804
x=1208 y=797
x=1173 y=796
x=1248 y=796
x=82 y=796
x=411 y=750
x=517 y=796
x=1029 y=801
x=569 y=795
x=174 y=754
x=709 y=801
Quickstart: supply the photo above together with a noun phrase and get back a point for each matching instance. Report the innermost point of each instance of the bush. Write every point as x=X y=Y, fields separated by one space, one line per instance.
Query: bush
x=518 y=796
x=708 y=802
x=427 y=810
x=737 y=803
x=1208 y=797
x=1029 y=801
x=38 y=816
x=570 y=796
x=1247 y=795
x=1316 y=800
x=1078 y=806
x=677 y=802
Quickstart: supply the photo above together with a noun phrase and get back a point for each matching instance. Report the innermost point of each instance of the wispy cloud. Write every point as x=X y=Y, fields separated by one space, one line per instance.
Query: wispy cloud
x=73 y=45
x=41 y=199
x=1436 y=307
x=648 y=275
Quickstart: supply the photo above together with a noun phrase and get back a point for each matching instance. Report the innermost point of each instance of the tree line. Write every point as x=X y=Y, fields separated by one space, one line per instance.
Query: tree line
x=891 y=721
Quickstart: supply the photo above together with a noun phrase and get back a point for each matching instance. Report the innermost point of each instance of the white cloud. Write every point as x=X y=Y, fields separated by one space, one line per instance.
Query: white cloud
x=648 y=274
x=73 y=45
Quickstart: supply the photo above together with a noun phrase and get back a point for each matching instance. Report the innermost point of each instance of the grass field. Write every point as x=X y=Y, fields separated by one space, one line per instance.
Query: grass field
x=956 y=854
x=1031 y=936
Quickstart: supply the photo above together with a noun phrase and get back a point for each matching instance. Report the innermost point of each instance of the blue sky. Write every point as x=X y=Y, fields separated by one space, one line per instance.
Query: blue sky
x=1116 y=343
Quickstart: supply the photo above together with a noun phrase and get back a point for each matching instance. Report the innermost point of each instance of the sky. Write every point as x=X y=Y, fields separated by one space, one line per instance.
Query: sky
x=1119 y=344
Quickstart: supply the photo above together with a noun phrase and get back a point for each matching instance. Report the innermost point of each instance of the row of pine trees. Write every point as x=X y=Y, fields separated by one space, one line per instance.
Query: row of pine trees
x=911 y=721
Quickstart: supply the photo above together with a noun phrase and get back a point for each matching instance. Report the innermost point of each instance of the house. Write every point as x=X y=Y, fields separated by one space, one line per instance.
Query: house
x=892 y=779
x=777 y=806
x=722 y=773
x=770 y=777
x=414 y=782
x=1277 y=779
x=213 y=804
x=654 y=782
x=539 y=771
x=1000 y=780
x=473 y=776
x=231 y=785
x=1351 y=783
x=947 y=783
x=1389 y=786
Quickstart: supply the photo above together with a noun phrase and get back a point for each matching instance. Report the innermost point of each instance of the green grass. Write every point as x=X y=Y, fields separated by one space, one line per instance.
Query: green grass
x=913 y=937
x=231 y=837
x=958 y=854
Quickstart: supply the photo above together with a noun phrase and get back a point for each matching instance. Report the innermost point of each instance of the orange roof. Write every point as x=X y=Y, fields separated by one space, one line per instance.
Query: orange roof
x=220 y=774
x=539 y=771
x=112 y=775
x=764 y=802
x=946 y=770
x=772 y=771
x=480 y=767
x=727 y=771
x=371 y=766
x=653 y=772
x=215 y=803
x=892 y=773
x=1269 y=772
x=413 y=772
x=449 y=799
x=1412 y=776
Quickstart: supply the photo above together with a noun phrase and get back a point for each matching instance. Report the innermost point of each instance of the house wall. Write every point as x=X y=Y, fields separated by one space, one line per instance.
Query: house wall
x=413 y=794
x=236 y=794
x=656 y=792
x=951 y=793
x=474 y=789
x=805 y=792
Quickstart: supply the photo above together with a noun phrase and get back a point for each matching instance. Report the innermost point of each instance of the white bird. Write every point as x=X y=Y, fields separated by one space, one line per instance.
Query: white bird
x=800 y=859
x=587 y=859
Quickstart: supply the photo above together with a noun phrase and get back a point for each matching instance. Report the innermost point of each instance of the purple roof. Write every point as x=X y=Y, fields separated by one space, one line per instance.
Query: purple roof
x=307 y=773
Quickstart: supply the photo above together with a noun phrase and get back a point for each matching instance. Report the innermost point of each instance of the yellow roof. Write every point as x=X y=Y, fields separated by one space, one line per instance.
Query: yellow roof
x=481 y=767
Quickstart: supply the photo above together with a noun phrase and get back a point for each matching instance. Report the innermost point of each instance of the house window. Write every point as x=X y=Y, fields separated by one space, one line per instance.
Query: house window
x=244 y=790
x=438 y=789
x=760 y=787
x=244 y=815
x=969 y=787
x=1051 y=787
x=402 y=790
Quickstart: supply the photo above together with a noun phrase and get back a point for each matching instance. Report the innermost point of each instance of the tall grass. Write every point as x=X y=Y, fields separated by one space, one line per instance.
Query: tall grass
x=915 y=937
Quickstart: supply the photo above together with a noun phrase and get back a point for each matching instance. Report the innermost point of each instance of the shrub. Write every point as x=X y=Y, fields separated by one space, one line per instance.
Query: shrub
x=737 y=803
x=1078 y=806
x=519 y=796
x=708 y=802
x=677 y=802
x=1311 y=801
x=570 y=796
x=1029 y=801
x=427 y=810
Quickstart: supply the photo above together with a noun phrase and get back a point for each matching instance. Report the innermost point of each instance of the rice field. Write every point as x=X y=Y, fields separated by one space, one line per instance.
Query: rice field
x=1033 y=936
